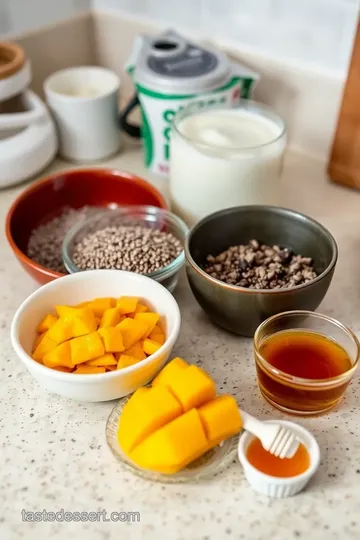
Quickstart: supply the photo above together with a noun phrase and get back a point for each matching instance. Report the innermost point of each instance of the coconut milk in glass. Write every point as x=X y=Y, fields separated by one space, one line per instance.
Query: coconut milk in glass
x=223 y=157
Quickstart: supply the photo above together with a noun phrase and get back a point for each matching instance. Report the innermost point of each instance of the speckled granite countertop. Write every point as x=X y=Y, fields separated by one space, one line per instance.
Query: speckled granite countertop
x=54 y=454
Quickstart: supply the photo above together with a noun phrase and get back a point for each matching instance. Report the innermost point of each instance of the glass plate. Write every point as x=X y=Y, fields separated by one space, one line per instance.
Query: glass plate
x=209 y=464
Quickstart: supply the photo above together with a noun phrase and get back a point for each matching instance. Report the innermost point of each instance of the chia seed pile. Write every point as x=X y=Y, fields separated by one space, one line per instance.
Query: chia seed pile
x=259 y=266
x=45 y=243
x=132 y=248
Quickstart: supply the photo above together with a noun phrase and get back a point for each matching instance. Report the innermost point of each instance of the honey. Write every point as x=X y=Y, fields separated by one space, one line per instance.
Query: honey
x=265 y=462
x=295 y=354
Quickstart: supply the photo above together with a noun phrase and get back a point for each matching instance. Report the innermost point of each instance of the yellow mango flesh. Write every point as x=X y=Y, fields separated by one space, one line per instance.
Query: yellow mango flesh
x=86 y=348
x=150 y=346
x=60 y=356
x=100 y=305
x=85 y=370
x=48 y=321
x=170 y=372
x=192 y=387
x=137 y=351
x=132 y=331
x=150 y=319
x=167 y=426
x=144 y=413
x=221 y=418
x=111 y=317
x=125 y=361
x=173 y=446
x=45 y=346
x=112 y=339
x=107 y=359
x=127 y=304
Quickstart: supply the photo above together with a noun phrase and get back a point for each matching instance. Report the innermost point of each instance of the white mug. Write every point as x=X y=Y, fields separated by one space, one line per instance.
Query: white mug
x=84 y=104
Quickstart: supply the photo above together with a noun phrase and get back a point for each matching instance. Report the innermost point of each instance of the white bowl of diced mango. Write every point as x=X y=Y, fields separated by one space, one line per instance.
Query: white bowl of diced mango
x=96 y=335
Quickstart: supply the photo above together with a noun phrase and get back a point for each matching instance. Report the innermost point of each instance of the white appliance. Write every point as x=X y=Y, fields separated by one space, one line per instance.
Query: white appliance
x=28 y=140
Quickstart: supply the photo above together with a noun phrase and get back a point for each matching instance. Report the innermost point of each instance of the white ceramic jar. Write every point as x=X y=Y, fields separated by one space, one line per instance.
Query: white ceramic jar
x=223 y=157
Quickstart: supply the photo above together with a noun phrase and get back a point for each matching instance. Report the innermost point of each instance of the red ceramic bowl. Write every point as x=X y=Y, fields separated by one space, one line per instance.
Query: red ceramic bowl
x=45 y=199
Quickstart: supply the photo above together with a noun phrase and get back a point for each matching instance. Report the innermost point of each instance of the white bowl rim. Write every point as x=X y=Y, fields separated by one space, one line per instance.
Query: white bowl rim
x=83 y=378
x=312 y=448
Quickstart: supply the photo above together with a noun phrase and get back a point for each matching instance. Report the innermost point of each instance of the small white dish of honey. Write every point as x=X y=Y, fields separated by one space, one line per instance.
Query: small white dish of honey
x=276 y=477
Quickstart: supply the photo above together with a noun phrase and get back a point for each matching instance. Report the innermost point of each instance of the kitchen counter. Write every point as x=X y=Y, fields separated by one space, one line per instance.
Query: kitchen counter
x=54 y=454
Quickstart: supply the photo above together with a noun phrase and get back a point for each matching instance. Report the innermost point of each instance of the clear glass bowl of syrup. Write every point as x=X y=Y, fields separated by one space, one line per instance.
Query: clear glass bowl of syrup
x=304 y=361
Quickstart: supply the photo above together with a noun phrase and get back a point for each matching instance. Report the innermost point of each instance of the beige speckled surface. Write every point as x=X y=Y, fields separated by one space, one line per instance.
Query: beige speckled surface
x=54 y=454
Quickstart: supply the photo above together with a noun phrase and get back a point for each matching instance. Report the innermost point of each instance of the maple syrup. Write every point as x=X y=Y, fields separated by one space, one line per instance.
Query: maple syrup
x=306 y=372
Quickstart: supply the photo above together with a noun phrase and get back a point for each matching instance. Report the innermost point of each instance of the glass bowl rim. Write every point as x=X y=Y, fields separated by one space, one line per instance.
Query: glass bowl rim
x=286 y=377
x=161 y=273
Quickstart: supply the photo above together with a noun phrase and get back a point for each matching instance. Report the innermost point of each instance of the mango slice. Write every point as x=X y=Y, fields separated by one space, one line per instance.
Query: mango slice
x=112 y=339
x=140 y=308
x=221 y=418
x=127 y=304
x=173 y=446
x=150 y=319
x=125 y=361
x=137 y=351
x=132 y=331
x=167 y=426
x=157 y=335
x=45 y=346
x=84 y=370
x=100 y=305
x=170 y=372
x=48 y=321
x=107 y=359
x=86 y=348
x=111 y=317
x=146 y=411
x=60 y=356
x=60 y=331
x=193 y=387
x=150 y=346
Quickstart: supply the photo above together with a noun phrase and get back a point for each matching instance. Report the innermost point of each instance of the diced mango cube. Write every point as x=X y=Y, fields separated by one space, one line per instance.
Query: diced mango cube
x=83 y=322
x=45 y=346
x=65 y=311
x=112 y=339
x=38 y=341
x=48 y=321
x=107 y=359
x=86 y=348
x=60 y=331
x=136 y=351
x=100 y=305
x=140 y=308
x=126 y=361
x=84 y=370
x=146 y=411
x=192 y=387
x=150 y=319
x=82 y=304
x=111 y=317
x=221 y=418
x=150 y=346
x=173 y=446
x=157 y=335
x=132 y=331
x=170 y=372
x=60 y=356
x=127 y=304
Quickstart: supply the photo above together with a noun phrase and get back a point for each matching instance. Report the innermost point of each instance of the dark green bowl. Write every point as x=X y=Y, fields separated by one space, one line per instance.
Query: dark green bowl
x=241 y=310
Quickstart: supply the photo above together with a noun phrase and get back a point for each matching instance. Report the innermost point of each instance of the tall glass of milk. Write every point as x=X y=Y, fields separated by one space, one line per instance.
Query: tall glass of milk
x=225 y=156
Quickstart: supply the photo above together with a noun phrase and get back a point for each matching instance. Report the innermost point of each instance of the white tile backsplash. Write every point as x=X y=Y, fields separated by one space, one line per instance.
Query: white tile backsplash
x=19 y=16
x=317 y=33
